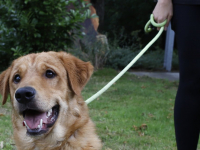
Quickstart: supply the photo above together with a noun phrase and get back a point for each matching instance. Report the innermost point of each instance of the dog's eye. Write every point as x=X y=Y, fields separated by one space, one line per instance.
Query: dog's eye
x=50 y=74
x=17 y=78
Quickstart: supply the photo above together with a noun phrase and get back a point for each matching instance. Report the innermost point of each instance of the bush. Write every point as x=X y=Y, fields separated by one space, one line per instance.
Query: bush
x=151 y=60
x=28 y=26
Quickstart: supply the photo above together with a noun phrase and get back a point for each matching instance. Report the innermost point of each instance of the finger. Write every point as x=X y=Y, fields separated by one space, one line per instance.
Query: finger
x=158 y=20
x=155 y=18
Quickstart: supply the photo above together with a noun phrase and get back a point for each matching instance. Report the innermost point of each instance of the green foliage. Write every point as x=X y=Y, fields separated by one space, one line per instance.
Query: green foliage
x=129 y=15
x=118 y=57
x=34 y=25
x=152 y=60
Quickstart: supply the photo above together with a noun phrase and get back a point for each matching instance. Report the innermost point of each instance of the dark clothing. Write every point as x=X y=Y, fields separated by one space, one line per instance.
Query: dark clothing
x=192 y=2
x=186 y=24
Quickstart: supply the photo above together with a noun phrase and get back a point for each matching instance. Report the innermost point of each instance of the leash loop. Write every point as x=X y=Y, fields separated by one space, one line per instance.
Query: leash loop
x=157 y=24
x=147 y=29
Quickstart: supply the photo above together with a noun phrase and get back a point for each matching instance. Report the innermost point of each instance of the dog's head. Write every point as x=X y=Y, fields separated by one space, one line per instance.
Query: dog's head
x=42 y=86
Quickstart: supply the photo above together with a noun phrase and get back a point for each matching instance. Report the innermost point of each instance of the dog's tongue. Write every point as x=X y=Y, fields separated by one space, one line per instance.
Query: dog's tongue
x=33 y=118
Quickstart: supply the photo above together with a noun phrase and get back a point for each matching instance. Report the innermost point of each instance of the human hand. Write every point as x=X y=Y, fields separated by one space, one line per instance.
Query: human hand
x=162 y=11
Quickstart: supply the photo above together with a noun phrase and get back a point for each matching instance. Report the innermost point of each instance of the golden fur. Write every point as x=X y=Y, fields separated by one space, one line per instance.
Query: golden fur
x=73 y=129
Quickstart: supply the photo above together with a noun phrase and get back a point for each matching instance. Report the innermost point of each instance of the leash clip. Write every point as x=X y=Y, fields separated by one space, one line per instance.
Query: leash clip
x=148 y=28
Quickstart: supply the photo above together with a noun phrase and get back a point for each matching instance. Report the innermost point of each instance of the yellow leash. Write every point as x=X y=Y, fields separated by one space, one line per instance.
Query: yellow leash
x=147 y=29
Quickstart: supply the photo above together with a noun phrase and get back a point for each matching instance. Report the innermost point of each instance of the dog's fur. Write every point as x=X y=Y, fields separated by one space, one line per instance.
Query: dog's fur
x=73 y=129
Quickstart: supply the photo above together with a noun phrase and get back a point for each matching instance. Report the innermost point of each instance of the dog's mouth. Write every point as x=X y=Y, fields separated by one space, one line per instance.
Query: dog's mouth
x=38 y=122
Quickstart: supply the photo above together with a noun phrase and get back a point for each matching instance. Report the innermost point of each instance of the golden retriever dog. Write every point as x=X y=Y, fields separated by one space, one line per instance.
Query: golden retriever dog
x=49 y=112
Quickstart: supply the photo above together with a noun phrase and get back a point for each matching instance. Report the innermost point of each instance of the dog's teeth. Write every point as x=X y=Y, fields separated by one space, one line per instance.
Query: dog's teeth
x=49 y=113
x=26 y=125
x=41 y=123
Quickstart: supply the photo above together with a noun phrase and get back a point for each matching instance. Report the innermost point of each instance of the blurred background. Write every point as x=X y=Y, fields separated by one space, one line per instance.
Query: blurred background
x=109 y=33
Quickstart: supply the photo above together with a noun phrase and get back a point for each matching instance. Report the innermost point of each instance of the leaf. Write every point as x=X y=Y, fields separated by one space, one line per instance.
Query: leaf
x=26 y=1
x=46 y=3
x=42 y=13
x=140 y=128
x=34 y=21
x=143 y=126
x=1 y=115
x=135 y=127
x=141 y=133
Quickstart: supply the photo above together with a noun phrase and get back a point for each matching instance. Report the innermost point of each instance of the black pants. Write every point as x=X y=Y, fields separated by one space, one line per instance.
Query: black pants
x=186 y=23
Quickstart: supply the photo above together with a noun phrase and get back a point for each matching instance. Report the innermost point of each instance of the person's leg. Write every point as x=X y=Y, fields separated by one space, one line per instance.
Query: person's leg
x=186 y=22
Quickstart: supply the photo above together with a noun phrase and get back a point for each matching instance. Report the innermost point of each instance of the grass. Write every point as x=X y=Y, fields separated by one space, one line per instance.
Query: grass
x=136 y=113
x=6 y=126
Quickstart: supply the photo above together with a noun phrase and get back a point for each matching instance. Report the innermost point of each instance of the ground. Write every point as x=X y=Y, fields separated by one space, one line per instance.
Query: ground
x=136 y=113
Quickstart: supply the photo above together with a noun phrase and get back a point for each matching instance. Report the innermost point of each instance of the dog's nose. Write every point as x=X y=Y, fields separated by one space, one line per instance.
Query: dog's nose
x=25 y=95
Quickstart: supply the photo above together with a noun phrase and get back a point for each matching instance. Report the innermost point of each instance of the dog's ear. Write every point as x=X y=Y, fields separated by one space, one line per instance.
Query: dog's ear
x=79 y=72
x=4 y=84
